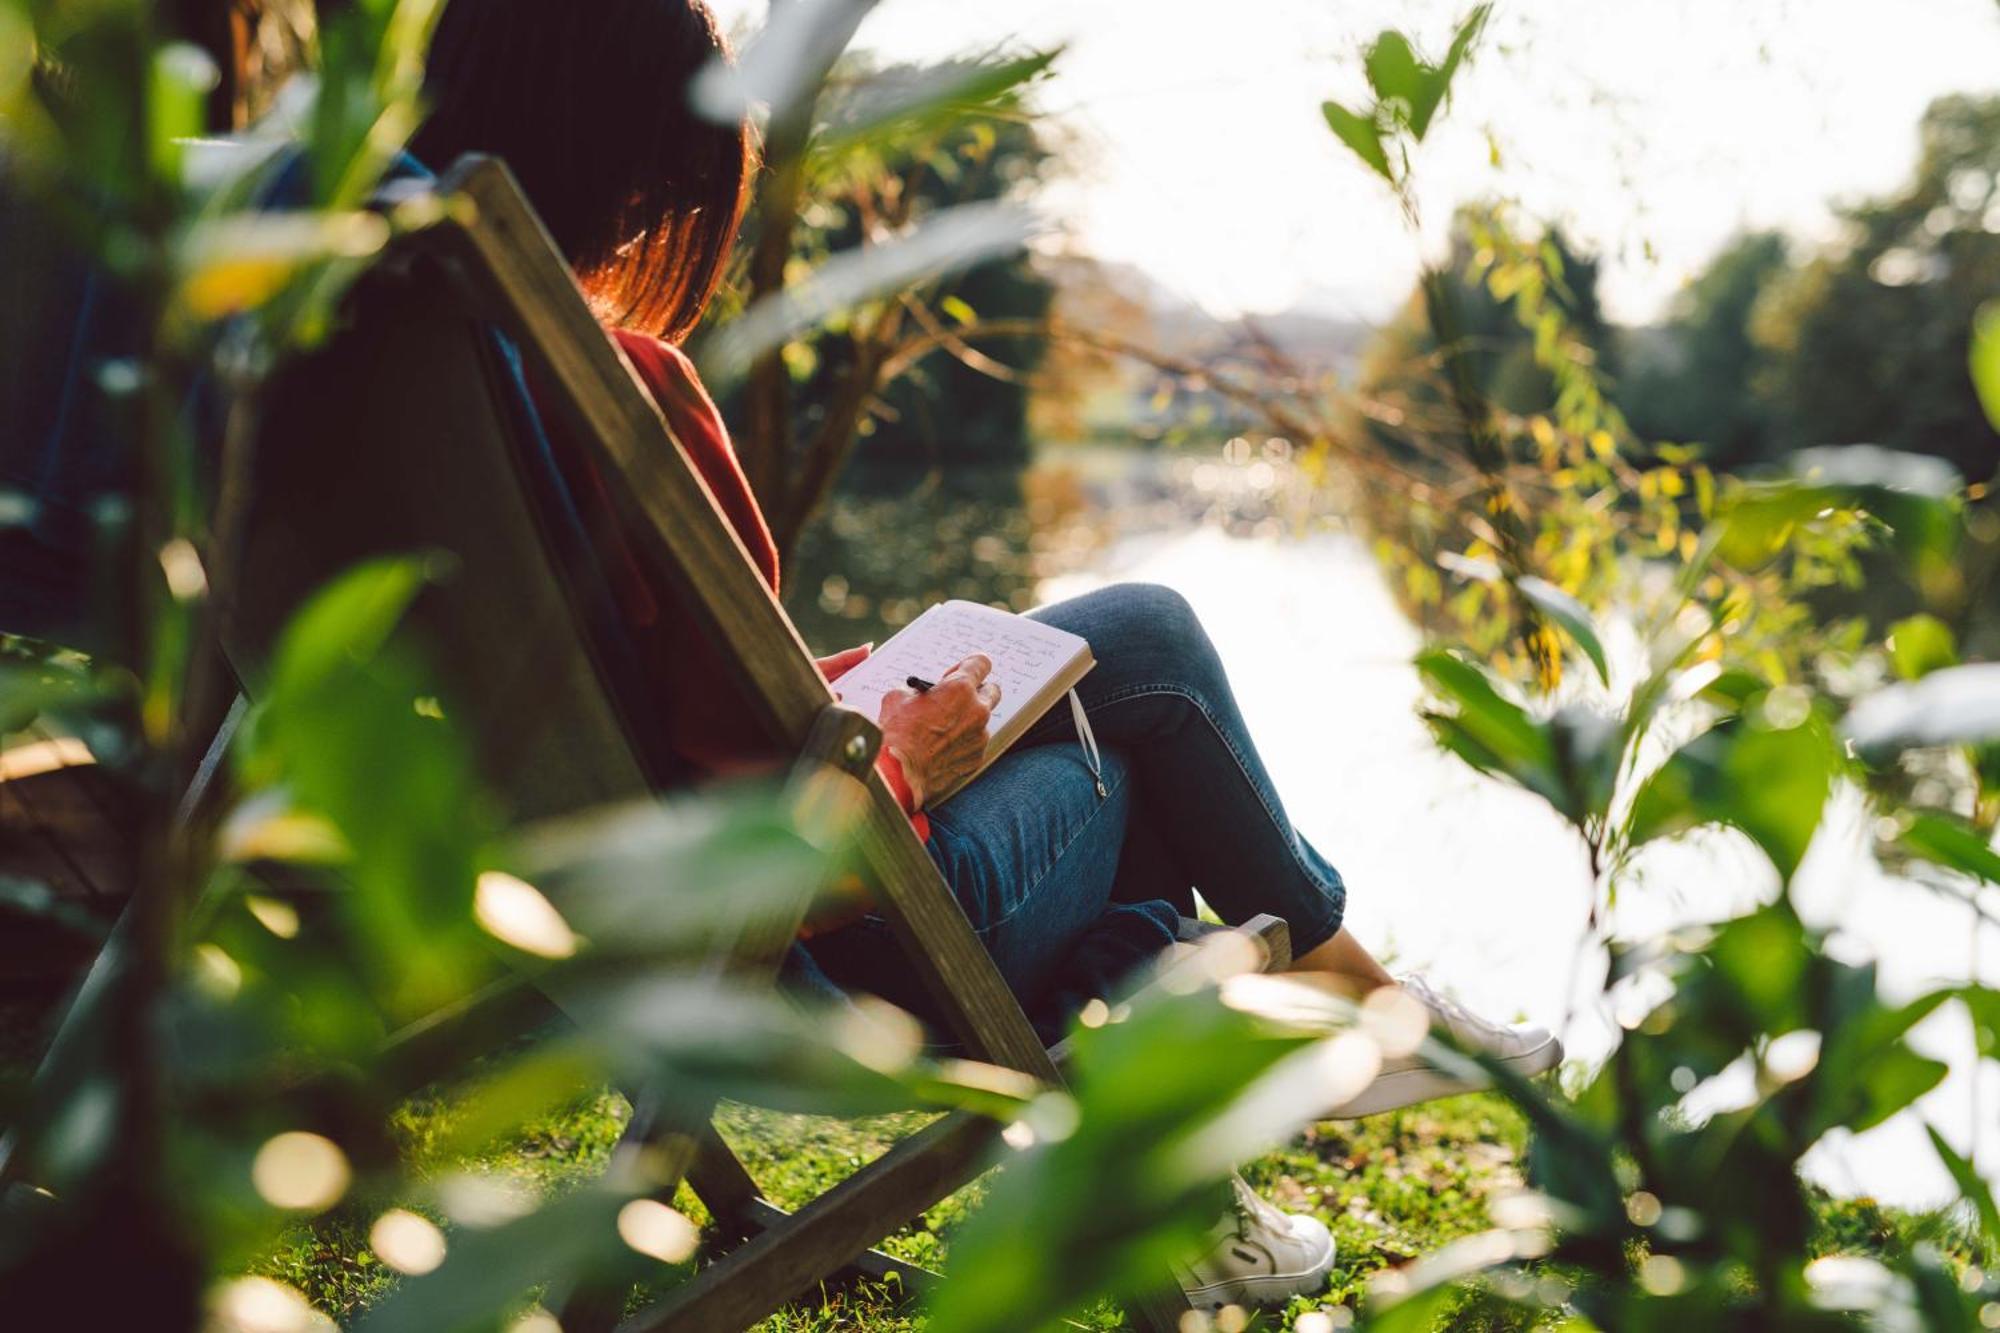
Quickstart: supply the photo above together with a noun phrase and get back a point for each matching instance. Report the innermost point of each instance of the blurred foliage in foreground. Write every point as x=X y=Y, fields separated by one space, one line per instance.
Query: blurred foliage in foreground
x=1666 y=1191
x=340 y=927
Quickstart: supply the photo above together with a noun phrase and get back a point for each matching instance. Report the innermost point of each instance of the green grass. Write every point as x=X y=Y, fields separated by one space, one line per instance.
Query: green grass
x=1392 y=1187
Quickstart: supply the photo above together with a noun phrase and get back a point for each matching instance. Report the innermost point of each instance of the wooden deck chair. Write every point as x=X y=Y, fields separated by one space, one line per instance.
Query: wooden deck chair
x=402 y=434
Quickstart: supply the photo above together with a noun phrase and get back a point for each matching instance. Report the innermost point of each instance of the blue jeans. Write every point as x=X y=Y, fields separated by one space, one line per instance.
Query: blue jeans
x=1039 y=860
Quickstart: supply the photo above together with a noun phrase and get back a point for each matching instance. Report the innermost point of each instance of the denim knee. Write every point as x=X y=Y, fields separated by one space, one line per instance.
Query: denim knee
x=1165 y=625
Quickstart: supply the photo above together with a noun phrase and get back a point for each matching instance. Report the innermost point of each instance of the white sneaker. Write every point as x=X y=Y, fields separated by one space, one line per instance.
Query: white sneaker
x=1261 y=1256
x=1406 y=1080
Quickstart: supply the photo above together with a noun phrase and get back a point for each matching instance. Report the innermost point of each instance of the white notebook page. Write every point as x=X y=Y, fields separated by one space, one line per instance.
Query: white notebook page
x=1026 y=655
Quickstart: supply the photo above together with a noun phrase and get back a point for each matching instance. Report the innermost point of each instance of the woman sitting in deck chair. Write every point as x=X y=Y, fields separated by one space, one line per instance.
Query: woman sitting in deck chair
x=589 y=105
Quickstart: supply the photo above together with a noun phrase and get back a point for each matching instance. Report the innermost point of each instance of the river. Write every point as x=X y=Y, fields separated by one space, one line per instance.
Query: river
x=1463 y=877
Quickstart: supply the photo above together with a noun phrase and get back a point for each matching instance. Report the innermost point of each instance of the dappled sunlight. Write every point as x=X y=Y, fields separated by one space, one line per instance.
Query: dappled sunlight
x=427 y=848
x=514 y=912
x=657 y=1231
x=302 y=1171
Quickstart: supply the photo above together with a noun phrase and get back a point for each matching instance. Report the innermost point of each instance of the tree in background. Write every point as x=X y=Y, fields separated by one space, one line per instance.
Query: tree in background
x=1873 y=338
x=1486 y=397
x=1400 y=380
x=860 y=377
x=1703 y=376
x=1864 y=343
x=889 y=164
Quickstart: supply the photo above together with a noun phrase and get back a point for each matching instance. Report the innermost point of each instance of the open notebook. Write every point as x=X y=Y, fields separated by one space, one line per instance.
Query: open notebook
x=1035 y=665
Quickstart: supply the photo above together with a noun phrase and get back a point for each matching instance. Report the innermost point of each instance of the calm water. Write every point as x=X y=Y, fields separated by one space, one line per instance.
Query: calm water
x=1463 y=877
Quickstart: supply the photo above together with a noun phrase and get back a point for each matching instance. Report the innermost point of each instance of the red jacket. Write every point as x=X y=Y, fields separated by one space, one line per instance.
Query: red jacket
x=709 y=723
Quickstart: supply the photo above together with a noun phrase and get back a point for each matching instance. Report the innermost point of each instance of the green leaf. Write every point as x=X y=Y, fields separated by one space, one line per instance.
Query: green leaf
x=1734 y=689
x=1759 y=521
x=1470 y=29
x=1913 y=496
x=1590 y=749
x=489 y=1271
x=897 y=104
x=695 y=1040
x=1492 y=733
x=1157 y=1122
x=1982 y=1006
x=1764 y=958
x=1399 y=75
x=1393 y=69
x=1953 y=706
x=1770 y=783
x=947 y=241
x=27 y=690
x=1867 y=1071
x=1920 y=645
x=1950 y=842
x=1985 y=359
x=1360 y=136
x=344 y=625
x=1571 y=614
x=1971 y=1186
x=1889 y=1083
x=1427 y=1308
x=343 y=729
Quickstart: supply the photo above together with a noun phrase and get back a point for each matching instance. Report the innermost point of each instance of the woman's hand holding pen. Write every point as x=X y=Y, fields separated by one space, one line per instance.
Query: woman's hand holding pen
x=939 y=734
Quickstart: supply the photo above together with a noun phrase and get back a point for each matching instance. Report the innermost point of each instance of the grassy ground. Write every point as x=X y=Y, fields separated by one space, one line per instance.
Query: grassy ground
x=1391 y=1187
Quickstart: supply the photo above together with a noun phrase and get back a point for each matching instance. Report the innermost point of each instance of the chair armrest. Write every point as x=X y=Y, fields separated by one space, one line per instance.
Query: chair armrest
x=1272 y=935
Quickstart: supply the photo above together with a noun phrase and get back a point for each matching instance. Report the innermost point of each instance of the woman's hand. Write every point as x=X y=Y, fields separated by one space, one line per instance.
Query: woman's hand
x=940 y=735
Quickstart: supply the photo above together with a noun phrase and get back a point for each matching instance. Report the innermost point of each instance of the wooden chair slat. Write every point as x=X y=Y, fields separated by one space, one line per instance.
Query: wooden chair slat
x=827 y=1234
x=513 y=268
x=395 y=438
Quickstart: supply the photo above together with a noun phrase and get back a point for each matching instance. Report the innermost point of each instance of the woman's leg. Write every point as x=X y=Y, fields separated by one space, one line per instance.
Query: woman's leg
x=1160 y=696
x=1031 y=853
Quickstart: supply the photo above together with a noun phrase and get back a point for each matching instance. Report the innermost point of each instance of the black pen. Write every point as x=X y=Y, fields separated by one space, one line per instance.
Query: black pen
x=919 y=684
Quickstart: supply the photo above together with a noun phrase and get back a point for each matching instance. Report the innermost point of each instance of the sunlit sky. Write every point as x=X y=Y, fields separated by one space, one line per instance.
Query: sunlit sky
x=1655 y=129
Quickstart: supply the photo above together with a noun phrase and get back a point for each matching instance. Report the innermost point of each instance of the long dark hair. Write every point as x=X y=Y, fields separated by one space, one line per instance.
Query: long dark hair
x=588 y=103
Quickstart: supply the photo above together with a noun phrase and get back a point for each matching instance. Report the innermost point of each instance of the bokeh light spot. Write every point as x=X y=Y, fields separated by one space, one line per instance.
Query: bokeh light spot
x=655 y=1230
x=259 y=1305
x=514 y=912
x=274 y=915
x=406 y=1242
x=300 y=1170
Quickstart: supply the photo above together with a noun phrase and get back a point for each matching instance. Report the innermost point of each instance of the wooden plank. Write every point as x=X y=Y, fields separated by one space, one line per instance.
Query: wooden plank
x=741 y=1211
x=868 y=1266
x=65 y=824
x=1275 y=934
x=832 y=1231
x=510 y=262
x=737 y=1277
x=1273 y=937
x=588 y=384
x=681 y=1143
x=725 y=1186
x=388 y=440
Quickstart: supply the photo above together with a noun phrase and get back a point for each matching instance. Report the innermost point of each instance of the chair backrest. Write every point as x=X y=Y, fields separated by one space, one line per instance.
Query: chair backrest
x=396 y=436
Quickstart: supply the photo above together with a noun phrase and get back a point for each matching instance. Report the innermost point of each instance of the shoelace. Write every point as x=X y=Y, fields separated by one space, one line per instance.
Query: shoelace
x=1447 y=1008
x=1254 y=1210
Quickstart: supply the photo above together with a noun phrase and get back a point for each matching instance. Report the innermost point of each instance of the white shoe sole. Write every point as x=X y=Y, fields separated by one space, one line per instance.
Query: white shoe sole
x=1269 y=1290
x=1422 y=1083
x=1265 y=1289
